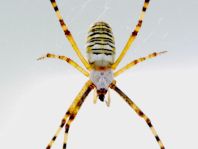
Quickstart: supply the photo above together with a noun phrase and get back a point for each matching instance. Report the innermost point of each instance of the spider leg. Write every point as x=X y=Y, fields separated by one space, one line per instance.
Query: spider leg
x=108 y=101
x=68 y=60
x=74 y=107
x=69 y=35
x=139 y=112
x=95 y=97
x=133 y=35
x=74 y=110
x=135 y=62
x=63 y=121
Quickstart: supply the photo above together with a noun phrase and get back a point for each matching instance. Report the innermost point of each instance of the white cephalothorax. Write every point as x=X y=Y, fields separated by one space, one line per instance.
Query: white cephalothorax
x=101 y=78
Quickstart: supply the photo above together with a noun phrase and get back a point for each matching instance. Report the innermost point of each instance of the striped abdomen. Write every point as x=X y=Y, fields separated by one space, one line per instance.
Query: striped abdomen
x=100 y=45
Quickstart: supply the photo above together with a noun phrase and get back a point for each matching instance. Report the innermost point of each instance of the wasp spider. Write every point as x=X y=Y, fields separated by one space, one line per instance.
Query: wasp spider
x=101 y=66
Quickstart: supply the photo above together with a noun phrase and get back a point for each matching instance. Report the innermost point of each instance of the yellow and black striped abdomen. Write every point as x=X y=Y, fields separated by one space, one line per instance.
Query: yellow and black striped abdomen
x=100 y=45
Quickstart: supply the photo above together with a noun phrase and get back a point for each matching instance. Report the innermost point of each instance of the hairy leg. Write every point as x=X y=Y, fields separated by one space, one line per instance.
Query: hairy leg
x=140 y=113
x=135 y=62
x=68 y=60
x=133 y=35
x=69 y=35
x=75 y=106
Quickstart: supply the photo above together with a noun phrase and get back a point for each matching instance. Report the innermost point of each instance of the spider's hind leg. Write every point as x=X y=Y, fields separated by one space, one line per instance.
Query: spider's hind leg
x=133 y=35
x=69 y=35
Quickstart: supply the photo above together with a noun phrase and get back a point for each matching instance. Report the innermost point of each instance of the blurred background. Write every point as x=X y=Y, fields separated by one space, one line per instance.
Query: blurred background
x=34 y=95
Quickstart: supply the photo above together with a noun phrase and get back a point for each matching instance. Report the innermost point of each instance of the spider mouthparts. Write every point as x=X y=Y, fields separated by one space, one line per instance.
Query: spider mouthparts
x=101 y=94
x=101 y=97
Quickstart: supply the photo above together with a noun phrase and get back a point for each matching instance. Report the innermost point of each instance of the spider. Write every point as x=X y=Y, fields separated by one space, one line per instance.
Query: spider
x=101 y=66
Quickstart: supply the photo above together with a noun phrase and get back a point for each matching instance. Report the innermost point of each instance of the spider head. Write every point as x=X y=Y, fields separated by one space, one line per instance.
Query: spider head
x=101 y=80
x=100 y=45
x=101 y=94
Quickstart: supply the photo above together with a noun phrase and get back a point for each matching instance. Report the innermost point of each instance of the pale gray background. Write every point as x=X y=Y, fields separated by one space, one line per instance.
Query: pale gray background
x=35 y=94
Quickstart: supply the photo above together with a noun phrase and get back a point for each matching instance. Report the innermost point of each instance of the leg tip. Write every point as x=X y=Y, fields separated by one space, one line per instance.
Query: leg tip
x=40 y=58
x=163 y=52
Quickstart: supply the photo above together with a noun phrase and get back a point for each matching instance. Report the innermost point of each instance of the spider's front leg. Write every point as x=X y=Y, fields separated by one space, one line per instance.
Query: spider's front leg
x=139 y=112
x=71 y=113
x=75 y=109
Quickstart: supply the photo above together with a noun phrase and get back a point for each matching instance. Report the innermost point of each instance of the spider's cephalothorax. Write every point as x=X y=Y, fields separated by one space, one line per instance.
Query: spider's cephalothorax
x=101 y=53
x=101 y=79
